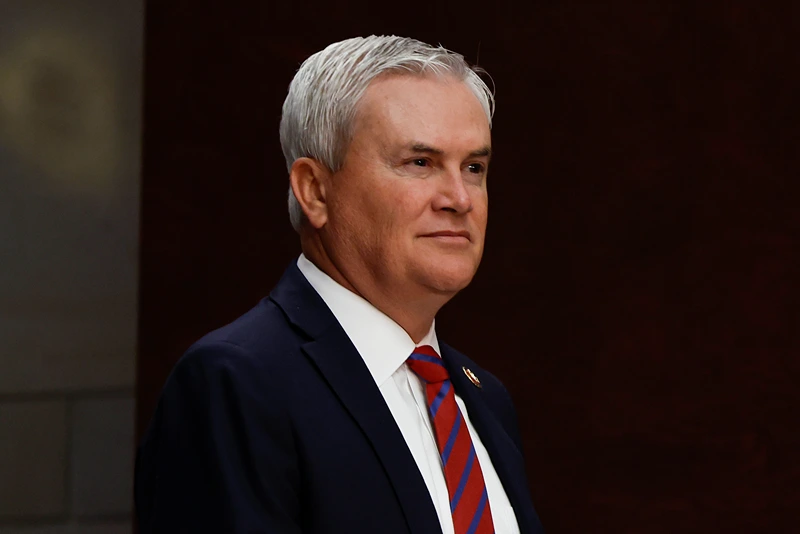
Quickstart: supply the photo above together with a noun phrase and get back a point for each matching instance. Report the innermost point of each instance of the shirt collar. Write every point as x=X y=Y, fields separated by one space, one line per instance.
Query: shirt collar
x=381 y=342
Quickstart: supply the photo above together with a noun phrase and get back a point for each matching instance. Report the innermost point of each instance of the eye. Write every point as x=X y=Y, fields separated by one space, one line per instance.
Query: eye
x=476 y=168
x=420 y=162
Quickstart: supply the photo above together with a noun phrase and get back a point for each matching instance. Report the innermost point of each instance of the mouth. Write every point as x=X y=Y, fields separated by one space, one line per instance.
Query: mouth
x=451 y=236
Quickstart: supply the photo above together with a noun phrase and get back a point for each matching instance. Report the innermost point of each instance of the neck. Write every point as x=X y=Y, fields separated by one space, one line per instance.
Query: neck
x=414 y=311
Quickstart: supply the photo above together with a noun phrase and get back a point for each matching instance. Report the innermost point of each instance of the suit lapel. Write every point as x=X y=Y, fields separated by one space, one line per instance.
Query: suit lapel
x=347 y=375
x=506 y=457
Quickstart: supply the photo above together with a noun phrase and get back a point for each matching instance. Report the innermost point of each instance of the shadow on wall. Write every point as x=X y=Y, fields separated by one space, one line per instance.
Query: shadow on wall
x=59 y=109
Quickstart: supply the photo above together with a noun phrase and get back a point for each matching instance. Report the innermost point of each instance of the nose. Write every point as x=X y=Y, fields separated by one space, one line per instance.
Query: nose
x=453 y=195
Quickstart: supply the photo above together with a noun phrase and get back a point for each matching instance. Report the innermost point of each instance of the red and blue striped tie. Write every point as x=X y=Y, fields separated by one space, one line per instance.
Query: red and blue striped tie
x=469 y=503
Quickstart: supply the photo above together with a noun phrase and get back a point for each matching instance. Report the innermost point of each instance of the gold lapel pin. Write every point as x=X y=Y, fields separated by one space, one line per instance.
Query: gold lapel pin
x=472 y=377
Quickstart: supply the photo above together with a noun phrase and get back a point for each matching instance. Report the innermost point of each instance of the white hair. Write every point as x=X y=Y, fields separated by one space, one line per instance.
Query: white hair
x=320 y=109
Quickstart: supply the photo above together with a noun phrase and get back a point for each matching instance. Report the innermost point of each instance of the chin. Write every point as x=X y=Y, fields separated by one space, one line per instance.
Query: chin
x=448 y=278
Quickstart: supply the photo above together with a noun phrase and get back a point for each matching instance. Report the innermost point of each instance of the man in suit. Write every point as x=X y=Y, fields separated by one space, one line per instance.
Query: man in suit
x=332 y=407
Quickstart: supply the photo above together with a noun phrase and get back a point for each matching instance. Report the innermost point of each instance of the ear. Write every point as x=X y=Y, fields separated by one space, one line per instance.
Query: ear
x=308 y=178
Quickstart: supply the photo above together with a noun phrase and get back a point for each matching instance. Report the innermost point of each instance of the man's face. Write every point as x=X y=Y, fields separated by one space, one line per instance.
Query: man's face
x=408 y=209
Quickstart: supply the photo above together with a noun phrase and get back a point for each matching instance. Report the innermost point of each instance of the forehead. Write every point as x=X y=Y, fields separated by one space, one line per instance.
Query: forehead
x=423 y=107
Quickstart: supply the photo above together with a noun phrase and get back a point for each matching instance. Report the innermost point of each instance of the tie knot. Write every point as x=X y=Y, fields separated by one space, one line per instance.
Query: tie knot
x=427 y=365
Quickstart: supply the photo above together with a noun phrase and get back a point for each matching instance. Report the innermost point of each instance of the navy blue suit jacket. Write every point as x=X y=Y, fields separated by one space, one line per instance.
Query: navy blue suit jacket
x=273 y=424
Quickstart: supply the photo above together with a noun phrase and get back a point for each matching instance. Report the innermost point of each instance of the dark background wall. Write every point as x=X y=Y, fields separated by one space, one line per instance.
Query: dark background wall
x=640 y=290
x=70 y=128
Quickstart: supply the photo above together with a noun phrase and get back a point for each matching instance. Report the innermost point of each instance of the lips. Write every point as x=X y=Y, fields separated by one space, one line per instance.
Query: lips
x=450 y=234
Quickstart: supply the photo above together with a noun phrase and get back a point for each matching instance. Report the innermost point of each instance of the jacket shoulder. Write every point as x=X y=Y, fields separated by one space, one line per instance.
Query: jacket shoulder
x=257 y=344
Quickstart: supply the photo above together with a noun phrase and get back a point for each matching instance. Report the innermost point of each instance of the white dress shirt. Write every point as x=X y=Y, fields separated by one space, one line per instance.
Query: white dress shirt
x=385 y=346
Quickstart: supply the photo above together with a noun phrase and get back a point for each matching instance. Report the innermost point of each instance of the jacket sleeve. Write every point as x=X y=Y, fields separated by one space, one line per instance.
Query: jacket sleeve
x=219 y=453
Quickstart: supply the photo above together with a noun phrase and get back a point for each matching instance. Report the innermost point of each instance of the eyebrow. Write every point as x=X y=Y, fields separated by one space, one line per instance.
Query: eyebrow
x=421 y=148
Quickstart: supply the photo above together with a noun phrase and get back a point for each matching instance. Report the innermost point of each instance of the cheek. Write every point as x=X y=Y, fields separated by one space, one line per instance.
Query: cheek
x=480 y=210
x=397 y=208
x=349 y=226
x=372 y=223
x=383 y=213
